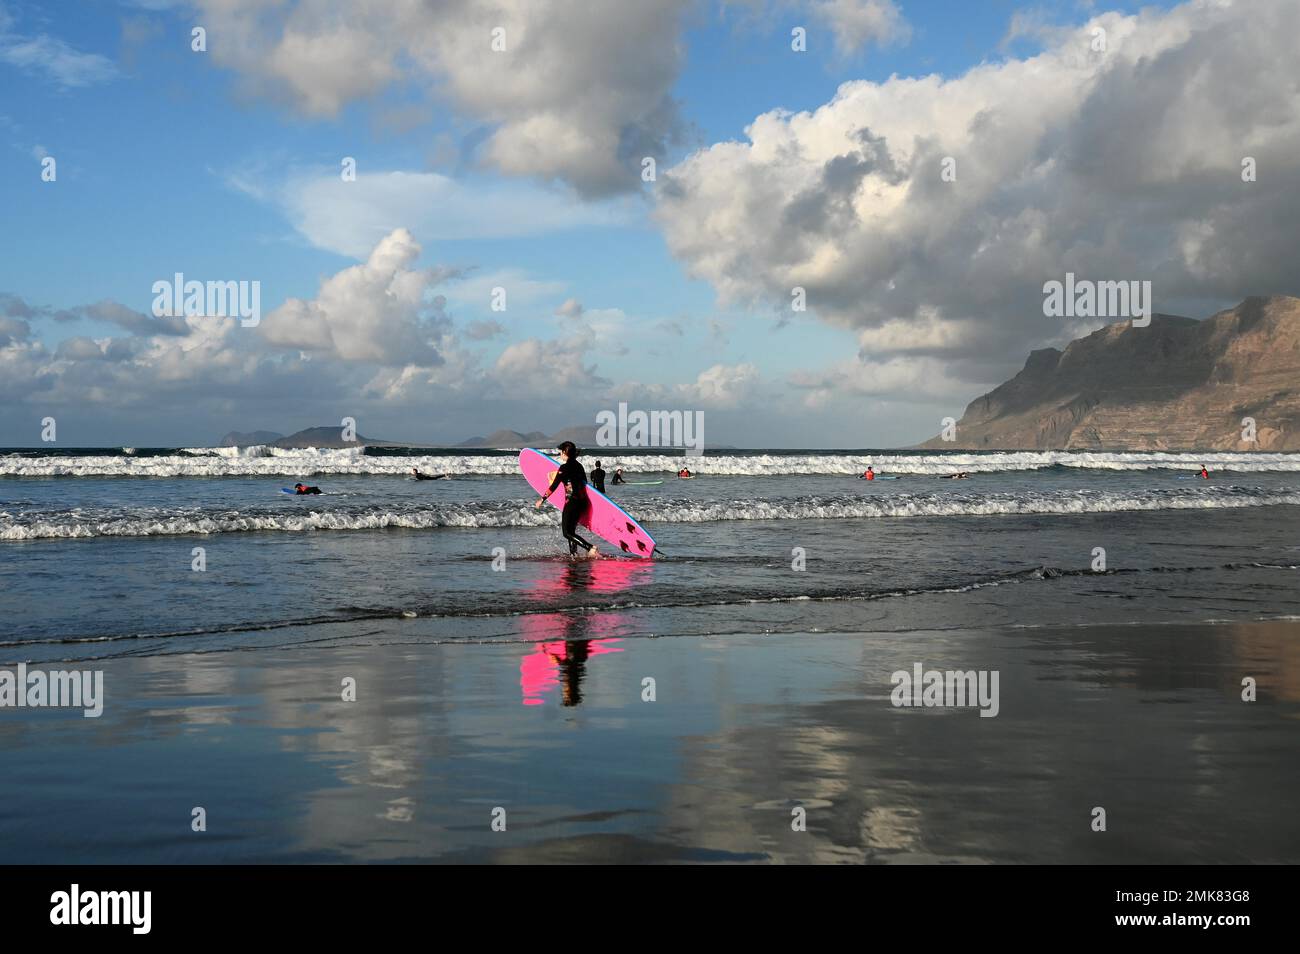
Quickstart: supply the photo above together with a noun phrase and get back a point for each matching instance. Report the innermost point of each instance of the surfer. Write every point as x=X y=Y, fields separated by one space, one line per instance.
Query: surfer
x=618 y=476
x=685 y=473
x=1205 y=474
x=960 y=475
x=576 y=503
x=598 y=477
x=415 y=471
x=301 y=489
x=868 y=474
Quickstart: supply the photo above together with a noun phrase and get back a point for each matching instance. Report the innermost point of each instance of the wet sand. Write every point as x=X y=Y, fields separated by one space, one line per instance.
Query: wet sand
x=1144 y=721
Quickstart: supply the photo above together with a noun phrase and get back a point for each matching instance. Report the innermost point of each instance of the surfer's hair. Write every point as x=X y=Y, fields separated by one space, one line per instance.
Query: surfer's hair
x=568 y=447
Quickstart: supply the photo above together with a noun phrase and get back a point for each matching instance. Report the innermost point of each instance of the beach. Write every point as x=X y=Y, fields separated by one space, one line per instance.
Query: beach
x=1145 y=721
x=1065 y=659
x=929 y=444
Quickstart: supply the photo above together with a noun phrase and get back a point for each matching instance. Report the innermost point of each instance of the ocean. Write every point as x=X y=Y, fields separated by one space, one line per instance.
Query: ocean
x=674 y=710
x=98 y=548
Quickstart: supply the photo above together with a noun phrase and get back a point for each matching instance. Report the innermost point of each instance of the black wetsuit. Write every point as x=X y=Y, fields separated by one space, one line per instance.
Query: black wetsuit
x=618 y=479
x=598 y=479
x=574 y=479
x=303 y=491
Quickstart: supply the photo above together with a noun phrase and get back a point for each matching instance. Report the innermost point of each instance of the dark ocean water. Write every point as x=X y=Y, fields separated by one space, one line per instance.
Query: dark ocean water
x=97 y=551
x=788 y=595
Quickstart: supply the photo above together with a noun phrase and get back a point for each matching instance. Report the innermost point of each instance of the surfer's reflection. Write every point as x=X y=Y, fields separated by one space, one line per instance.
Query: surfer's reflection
x=565 y=641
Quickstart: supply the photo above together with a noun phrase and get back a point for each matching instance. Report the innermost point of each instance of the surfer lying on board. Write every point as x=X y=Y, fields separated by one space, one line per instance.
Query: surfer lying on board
x=301 y=489
x=576 y=501
x=618 y=477
x=415 y=471
x=960 y=475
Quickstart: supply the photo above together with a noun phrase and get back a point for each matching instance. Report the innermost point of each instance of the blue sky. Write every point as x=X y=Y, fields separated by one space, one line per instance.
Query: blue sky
x=214 y=165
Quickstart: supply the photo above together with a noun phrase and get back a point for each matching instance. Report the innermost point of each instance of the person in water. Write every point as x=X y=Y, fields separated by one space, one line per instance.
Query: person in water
x=1205 y=474
x=618 y=476
x=419 y=476
x=685 y=472
x=576 y=503
x=598 y=477
x=868 y=474
x=301 y=489
x=960 y=475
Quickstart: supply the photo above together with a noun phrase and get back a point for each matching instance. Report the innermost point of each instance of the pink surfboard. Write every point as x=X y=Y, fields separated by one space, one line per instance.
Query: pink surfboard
x=604 y=518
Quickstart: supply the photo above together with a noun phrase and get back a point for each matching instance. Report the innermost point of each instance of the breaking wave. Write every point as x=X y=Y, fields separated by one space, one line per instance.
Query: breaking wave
x=293 y=517
x=264 y=461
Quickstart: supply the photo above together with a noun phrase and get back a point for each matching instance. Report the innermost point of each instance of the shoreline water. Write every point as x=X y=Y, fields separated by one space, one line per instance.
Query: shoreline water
x=492 y=672
x=1144 y=721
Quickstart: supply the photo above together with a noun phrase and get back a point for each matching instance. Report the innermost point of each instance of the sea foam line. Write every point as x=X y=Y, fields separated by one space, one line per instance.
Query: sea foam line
x=517 y=513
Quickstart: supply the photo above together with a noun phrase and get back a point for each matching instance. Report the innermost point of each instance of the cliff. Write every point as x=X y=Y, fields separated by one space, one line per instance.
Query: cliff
x=1175 y=385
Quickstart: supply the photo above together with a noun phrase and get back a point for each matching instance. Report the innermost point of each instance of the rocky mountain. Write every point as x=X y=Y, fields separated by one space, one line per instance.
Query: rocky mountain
x=506 y=439
x=309 y=437
x=327 y=437
x=249 y=439
x=584 y=435
x=1176 y=385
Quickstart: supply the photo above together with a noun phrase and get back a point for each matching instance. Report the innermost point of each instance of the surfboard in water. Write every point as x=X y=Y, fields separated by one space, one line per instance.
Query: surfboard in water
x=604 y=518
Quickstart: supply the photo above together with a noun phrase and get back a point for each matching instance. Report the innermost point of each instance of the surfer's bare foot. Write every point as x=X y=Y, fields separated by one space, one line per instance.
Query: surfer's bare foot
x=593 y=554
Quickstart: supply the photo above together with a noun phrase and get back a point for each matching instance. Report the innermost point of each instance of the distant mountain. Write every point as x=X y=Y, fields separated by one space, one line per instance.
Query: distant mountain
x=506 y=439
x=328 y=437
x=584 y=435
x=1175 y=385
x=249 y=439
x=313 y=437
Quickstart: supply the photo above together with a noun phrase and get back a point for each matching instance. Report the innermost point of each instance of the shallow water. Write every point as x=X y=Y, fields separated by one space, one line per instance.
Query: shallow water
x=788 y=595
x=100 y=566
x=1145 y=722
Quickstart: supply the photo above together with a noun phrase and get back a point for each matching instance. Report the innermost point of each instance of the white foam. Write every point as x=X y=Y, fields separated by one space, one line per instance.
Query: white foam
x=264 y=461
x=160 y=521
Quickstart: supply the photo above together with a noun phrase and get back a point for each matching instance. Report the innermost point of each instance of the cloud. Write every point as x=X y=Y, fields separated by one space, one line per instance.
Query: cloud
x=724 y=386
x=572 y=308
x=13 y=330
x=1122 y=164
x=477 y=289
x=902 y=374
x=49 y=56
x=859 y=22
x=377 y=312
x=853 y=23
x=133 y=321
x=719 y=387
x=350 y=217
x=111 y=312
x=375 y=340
x=534 y=367
x=81 y=348
x=579 y=94
x=484 y=330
